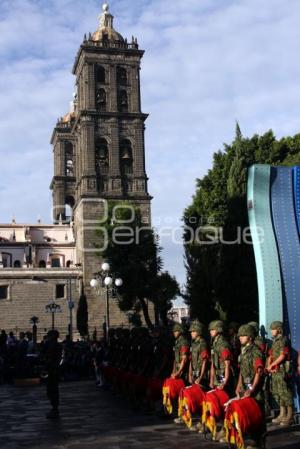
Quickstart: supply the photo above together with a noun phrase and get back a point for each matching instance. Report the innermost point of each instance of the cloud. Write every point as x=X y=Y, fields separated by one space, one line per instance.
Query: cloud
x=207 y=63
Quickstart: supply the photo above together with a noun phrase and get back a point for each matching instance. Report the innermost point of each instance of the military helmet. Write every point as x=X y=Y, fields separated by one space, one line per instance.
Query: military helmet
x=177 y=327
x=196 y=326
x=216 y=325
x=246 y=330
x=255 y=326
x=276 y=325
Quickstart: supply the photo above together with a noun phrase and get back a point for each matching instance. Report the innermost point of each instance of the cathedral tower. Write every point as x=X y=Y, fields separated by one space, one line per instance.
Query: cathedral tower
x=99 y=151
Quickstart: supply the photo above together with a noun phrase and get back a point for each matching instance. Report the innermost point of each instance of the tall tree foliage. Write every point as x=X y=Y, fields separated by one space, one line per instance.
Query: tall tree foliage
x=133 y=251
x=82 y=316
x=221 y=278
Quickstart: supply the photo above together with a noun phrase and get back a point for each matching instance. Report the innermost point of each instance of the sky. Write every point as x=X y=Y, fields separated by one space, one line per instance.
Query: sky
x=208 y=63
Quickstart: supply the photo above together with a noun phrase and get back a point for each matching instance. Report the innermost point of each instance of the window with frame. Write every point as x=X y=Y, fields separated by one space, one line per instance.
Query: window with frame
x=100 y=74
x=123 y=101
x=101 y=100
x=101 y=156
x=55 y=262
x=121 y=76
x=3 y=292
x=60 y=291
x=69 y=159
x=6 y=260
x=126 y=160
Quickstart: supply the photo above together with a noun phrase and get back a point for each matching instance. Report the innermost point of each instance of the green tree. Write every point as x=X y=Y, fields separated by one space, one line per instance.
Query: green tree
x=221 y=278
x=134 y=254
x=167 y=289
x=82 y=315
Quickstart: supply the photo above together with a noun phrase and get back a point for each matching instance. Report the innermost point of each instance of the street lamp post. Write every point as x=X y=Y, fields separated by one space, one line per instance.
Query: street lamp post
x=108 y=280
x=53 y=308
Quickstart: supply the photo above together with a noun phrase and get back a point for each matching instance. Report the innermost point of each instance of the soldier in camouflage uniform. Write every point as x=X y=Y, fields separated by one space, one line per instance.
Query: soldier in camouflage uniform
x=279 y=365
x=251 y=375
x=261 y=343
x=221 y=372
x=221 y=358
x=199 y=355
x=199 y=360
x=181 y=357
x=181 y=353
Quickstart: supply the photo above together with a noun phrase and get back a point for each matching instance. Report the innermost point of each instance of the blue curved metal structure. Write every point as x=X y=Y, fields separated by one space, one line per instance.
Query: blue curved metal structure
x=265 y=247
x=274 y=207
x=286 y=230
x=296 y=173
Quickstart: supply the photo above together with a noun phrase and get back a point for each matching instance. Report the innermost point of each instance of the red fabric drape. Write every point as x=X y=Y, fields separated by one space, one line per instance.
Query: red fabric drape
x=171 y=390
x=190 y=402
x=242 y=416
x=213 y=409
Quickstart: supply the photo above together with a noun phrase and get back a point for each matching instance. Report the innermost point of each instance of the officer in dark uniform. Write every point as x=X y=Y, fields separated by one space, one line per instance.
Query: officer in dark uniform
x=53 y=354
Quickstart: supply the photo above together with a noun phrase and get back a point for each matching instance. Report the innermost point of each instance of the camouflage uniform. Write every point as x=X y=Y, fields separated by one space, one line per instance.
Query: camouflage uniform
x=181 y=348
x=281 y=376
x=199 y=351
x=220 y=353
x=250 y=360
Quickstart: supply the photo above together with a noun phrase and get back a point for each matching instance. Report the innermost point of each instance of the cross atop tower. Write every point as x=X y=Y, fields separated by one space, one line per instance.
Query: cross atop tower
x=106 y=19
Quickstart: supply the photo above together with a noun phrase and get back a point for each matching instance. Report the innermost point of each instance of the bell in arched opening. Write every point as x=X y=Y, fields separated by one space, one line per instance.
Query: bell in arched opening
x=101 y=156
x=126 y=157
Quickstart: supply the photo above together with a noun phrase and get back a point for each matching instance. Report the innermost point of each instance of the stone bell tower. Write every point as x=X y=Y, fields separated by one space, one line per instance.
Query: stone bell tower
x=99 y=149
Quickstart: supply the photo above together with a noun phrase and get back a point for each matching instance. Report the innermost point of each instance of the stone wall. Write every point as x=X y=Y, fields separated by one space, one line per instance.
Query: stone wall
x=28 y=295
x=29 y=291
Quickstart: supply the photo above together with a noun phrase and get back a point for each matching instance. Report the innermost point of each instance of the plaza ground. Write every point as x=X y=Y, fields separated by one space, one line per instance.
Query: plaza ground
x=95 y=419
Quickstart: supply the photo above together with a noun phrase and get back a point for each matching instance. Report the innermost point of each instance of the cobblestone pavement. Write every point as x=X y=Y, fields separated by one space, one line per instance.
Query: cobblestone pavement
x=95 y=419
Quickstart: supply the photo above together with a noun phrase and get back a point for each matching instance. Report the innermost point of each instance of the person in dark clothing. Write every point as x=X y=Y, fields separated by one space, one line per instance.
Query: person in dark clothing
x=3 y=339
x=21 y=360
x=53 y=354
